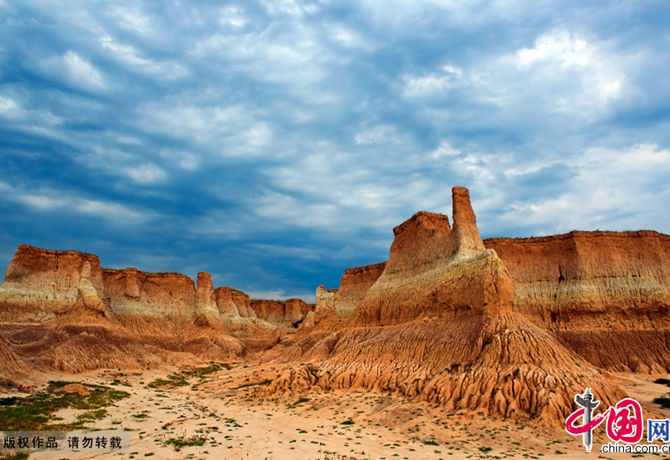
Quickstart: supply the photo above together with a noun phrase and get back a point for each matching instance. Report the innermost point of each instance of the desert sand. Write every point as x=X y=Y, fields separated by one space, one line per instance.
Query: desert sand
x=239 y=425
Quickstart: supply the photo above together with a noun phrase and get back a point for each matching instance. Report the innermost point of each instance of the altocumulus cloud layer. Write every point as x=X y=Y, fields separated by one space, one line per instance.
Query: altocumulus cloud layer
x=275 y=143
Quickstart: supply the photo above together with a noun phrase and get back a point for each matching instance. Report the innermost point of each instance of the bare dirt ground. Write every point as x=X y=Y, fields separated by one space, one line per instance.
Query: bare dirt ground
x=334 y=425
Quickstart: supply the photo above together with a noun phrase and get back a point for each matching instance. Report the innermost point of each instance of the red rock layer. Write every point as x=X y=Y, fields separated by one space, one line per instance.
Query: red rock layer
x=439 y=325
x=353 y=286
x=233 y=303
x=122 y=318
x=604 y=294
x=40 y=283
x=12 y=368
x=286 y=314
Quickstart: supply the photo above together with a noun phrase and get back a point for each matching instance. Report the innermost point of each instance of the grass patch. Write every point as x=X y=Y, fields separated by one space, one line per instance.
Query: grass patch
x=663 y=401
x=245 y=385
x=16 y=456
x=231 y=423
x=92 y=415
x=8 y=401
x=181 y=442
x=171 y=381
x=36 y=412
x=297 y=403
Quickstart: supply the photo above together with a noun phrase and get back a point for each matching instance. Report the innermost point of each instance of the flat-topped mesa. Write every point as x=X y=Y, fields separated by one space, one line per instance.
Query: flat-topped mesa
x=149 y=303
x=286 y=314
x=354 y=284
x=436 y=270
x=40 y=283
x=605 y=294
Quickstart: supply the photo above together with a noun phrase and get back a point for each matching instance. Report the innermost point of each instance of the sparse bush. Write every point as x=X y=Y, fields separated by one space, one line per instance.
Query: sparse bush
x=181 y=442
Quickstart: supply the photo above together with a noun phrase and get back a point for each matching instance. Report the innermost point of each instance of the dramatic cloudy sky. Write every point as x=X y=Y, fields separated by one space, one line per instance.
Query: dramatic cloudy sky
x=276 y=143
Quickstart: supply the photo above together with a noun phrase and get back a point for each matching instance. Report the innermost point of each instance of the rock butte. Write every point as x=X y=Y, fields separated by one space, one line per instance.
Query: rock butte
x=508 y=328
x=439 y=324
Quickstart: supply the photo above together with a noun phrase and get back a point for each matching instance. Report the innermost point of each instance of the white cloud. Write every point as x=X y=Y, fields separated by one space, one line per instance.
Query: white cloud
x=438 y=83
x=228 y=131
x=563 y=73
x=132 y=19
x=444 y=150
x=131 y=58
x=109 y=211
x=82 y=72
x=146 y=174
x=58 y=201
x=380 y=134
x=611 y=189
x=42 y=202
x=596 y=74
x=9 y=108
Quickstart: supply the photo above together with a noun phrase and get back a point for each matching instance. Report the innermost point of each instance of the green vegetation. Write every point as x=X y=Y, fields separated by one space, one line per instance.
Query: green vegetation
x=92 y=415
x=181 y=442
x=231 y=423
x=173 y=381
x=297 y=403
x=431 y=442
x=347 y=422
x=245 y=385
x=213 y=367
x=485 y=450
x=36 y=412
x=663 y=381
x=16 y=456
x=663 y=401
x=253 y=301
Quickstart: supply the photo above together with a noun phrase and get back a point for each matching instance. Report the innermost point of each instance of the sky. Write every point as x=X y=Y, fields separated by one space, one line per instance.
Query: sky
x=274 y=144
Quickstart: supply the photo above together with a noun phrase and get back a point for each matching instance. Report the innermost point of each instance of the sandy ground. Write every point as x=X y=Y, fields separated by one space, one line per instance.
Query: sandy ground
x=240 y=425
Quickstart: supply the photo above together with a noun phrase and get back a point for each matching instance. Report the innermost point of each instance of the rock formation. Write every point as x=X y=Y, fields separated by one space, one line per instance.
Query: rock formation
x=233 y=303
x=439 y=325
x=285 y=314
x=12 y=368
x=604 y=294
x=78 y=316
x=353 y=286
x=40 y=283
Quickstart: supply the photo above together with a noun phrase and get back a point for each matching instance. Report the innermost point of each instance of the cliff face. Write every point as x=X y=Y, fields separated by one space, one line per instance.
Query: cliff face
x=78 y=316
x=604 y=294
x=39 y=284
x=439 y=325
x=353 y=286
x=149 y=303
x=434 y=270
x=287 y=315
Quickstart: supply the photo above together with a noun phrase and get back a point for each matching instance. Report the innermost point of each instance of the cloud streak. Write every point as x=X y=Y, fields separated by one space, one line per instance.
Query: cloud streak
x=275 y=144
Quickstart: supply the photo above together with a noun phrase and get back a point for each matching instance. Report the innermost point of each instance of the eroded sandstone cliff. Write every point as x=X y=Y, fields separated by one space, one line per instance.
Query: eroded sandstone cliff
x=286 y=314
x=604 y=294
x=439 y=325
x=40 y=284
x=75 y=315
x=353 y=286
